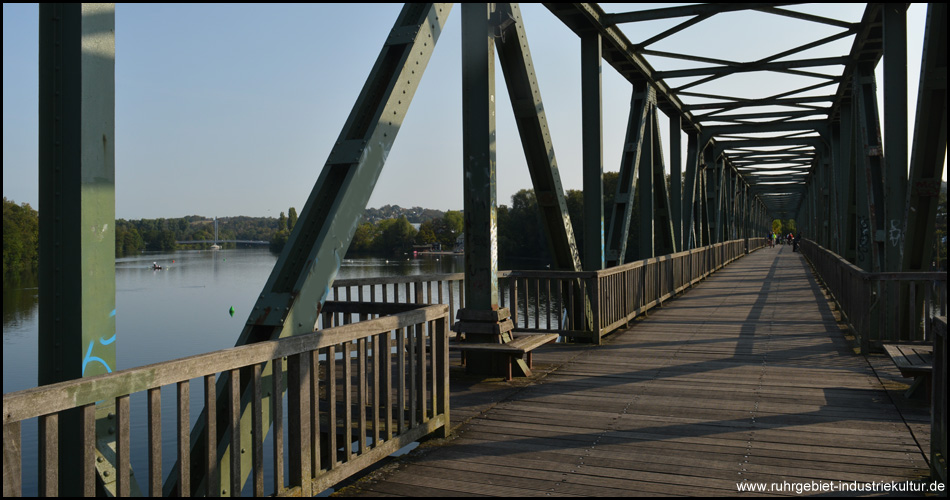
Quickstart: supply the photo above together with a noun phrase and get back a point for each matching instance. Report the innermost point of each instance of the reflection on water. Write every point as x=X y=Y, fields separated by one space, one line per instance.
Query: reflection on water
x=180 y=310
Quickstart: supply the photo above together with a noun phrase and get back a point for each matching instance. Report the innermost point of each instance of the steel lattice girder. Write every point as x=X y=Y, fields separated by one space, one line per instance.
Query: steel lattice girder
x=642 y=102
x=523 y=90
x=629 y=60
x=293 y=296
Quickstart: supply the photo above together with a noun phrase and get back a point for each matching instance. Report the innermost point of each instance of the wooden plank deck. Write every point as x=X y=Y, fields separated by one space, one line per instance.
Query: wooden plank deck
x=746 y=378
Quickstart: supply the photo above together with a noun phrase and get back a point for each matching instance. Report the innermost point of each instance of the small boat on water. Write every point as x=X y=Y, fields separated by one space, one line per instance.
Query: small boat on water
x=156 y=267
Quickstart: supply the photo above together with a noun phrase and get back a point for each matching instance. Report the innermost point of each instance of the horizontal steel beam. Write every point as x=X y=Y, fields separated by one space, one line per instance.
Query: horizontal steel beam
x=748 y=67
x=689 y=10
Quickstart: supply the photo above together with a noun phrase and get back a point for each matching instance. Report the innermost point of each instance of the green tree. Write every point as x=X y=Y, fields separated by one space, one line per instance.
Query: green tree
x=364 y=238
x=396 y=236
x=279 y=240
x=21 y=228
x=426 y=234
x=128 y=240
x=282 y=222
x=291 y=218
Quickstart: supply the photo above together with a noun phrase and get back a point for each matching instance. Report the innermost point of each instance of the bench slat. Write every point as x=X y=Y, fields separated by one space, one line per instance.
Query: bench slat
x=911 y=359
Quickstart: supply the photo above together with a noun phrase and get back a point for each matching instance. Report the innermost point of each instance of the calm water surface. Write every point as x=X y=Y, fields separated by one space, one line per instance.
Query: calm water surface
x=179 y=311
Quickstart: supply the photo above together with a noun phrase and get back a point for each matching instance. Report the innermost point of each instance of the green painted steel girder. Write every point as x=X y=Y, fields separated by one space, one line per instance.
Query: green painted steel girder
x=746 y=128
x=642 y=101
x=739 y=117
x=676 y=181
x=77 y=335
x=478 y=153
x=593 y=150
x=929 y=147
x=292 y=298
x=688 y=10
x=514 y=57
x=895 y=130
x=690 y=200
x=774 y=101
x=749 y=67
x=728 y=145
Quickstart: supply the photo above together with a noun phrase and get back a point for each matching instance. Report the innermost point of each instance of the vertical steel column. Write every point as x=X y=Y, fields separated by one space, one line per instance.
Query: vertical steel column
x=713 y=205
x=77 y=199
x=847 y=203
x=593 y=155
x=676 y=180
x=872 y=160
x=895 y=130
x=690 y=221
x=825 y=214
x=478 y=157
x=703 y=209
x=834 y=141
x=645 y=191
x=863 y=228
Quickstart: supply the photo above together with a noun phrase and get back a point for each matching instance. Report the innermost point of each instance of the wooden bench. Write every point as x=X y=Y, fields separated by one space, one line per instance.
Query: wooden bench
x=520 y=345
x=913 y=360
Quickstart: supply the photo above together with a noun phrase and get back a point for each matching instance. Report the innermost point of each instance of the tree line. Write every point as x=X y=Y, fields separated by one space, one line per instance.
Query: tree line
x=21 y=228
x=521 y=239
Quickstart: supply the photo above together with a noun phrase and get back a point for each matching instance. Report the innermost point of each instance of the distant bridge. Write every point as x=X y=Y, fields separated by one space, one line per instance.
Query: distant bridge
x=246 y=242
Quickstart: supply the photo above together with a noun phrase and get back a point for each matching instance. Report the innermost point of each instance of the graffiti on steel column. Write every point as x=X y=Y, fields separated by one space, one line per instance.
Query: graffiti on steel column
x=864 y=239
x=92 y=344
x=896 y=234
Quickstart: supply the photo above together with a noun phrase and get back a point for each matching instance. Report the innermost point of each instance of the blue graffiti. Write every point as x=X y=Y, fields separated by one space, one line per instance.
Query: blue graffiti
x=90 y=358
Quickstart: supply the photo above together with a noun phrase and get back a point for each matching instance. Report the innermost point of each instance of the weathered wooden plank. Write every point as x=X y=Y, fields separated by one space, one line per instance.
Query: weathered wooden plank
x=48 y=442
x=87 y=459
x=234 y=412
x=751 y=385
x=257 y=430
x=211 y=445
x=155 y=442
x=123 y=447
x=277 y=387
x=183 y=436
x=37 y=401
x=12 y=461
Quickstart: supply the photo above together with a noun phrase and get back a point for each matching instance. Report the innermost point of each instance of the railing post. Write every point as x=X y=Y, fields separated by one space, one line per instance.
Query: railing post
x=440 y=358
x=298 y=403
x=594 y=287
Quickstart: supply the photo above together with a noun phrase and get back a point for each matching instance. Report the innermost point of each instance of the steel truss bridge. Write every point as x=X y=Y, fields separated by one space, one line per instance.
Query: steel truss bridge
x=813 y=153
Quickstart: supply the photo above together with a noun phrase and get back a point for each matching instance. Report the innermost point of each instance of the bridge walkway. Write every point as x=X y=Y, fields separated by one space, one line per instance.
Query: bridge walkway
x=746 y=378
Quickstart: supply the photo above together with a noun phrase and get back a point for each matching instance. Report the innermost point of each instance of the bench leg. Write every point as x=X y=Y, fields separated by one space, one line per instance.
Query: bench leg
x=921 y=382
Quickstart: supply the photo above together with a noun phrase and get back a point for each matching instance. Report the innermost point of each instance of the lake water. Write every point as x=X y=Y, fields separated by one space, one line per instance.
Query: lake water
x=179 y=311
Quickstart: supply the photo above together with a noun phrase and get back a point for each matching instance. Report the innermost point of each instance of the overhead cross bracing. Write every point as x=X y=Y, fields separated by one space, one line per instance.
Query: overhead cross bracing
x=772 y=138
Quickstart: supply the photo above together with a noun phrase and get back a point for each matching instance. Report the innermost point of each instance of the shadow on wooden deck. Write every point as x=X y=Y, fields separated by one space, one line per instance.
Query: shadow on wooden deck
x=746 y=378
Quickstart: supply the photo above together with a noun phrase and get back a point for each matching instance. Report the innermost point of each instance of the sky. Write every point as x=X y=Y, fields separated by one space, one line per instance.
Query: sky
x=226 y=110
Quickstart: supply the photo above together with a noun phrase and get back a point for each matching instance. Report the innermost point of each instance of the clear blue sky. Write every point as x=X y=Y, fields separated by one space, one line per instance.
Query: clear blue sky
x=232 y=109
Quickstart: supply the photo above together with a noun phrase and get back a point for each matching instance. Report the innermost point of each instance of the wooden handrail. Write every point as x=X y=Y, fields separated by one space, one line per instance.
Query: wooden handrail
x=418 y=408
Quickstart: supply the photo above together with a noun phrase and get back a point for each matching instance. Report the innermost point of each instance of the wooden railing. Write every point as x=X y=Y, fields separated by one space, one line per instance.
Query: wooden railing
x=356 y=393
x=865 y=298
x=938 y=401
x=579 y=305
x=444 y=289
